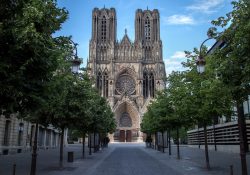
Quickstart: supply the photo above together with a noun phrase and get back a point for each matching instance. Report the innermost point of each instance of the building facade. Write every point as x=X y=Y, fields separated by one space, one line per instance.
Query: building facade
x=17 y=135
x=127 y=73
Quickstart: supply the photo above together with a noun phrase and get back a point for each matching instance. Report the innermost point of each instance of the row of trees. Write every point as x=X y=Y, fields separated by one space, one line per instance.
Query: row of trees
x=192 y=99
x=36 y=81
x=74 y=104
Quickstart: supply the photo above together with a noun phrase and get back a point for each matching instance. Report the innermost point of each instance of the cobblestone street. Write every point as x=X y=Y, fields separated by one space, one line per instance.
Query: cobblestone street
x=124 y=159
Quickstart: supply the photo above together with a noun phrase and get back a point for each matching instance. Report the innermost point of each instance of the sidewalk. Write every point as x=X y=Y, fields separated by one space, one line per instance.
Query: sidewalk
x=47 y=160
x=194 y=158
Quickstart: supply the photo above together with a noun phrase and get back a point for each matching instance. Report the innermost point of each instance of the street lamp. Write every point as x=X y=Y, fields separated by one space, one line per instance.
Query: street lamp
x=200 y=62
x=76 y=61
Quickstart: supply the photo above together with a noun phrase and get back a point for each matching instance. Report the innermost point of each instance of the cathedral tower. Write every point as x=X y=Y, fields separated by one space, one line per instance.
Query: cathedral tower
x=127 y=73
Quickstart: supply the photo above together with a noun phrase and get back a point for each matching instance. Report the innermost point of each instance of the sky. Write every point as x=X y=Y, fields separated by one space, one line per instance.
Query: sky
x=183 y=23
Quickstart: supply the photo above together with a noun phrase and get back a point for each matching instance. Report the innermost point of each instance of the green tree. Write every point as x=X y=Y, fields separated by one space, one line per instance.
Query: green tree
x=29 y=56
x=93 y=112
x=84 y=92
x=29 y=53
x=233 y=63
x=181 y=103
x=210 y=96
x=103 y=117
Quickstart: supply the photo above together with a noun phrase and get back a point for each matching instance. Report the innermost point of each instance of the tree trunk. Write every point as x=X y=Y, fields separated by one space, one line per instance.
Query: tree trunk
x=99 y=141
x=61 y=148
x=242 y=137
x=83 y=145
x=163 y=146
x=34 y=153
x=167 y=138
x=198 y=134
x=178 y=144
x=90 y=144
x=155 y=140
x=206 y=147
x=169 y=143
x=94 y=143
x=215 y=146
x=150 y=143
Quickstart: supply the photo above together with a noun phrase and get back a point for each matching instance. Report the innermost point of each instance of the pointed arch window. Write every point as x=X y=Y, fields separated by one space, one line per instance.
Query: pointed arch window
x=151 y=85
x=102 y=83
x=106 y=84
x=99 y=82
x=145 y=84
x=147 y=28
x=148 y=84
x=103 y=28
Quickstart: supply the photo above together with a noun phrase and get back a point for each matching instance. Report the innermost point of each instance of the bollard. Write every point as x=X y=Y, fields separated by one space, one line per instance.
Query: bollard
x=70 y=156
x=231 y=170
x=14 y=169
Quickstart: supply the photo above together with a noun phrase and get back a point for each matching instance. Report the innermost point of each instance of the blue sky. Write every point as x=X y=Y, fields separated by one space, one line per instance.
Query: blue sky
x=184 y=23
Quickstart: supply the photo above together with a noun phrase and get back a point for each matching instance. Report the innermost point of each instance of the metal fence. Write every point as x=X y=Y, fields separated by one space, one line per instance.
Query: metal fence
x=221 y=134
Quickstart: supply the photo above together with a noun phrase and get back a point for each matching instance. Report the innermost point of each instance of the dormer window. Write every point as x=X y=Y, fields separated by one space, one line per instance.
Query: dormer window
x=147 y=28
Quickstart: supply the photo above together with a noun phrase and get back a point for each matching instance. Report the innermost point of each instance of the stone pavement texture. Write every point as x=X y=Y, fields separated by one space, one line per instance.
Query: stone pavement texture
x=125 y=159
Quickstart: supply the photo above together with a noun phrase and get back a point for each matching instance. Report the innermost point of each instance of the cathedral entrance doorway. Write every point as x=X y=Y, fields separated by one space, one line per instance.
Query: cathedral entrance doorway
x=128 y=136
x=127 y=118
x=125 y=136
x=122 y=136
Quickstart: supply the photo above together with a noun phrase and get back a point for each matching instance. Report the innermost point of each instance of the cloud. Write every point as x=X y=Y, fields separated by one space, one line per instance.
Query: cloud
x=174 y=62
x=178 y=20
x=206 y=6
x=179 y=54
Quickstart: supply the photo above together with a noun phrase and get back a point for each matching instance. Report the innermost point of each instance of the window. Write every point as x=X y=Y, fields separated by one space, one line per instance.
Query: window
x=148 y=84
x=6 y=133
x=20 y=134
x=102 y=84
x=151 y=84
x=99 y=82
x=106 y=84
x=145 y=85
x=103 y=28
x=147 y=28
x=125 y=84
x=125 y=120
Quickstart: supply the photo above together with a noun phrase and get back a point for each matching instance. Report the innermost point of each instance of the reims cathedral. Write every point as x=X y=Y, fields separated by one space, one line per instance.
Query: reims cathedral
x=127 y=73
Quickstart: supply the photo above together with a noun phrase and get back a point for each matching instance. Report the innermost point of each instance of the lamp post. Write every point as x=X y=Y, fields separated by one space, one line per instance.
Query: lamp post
x=75 y=65
x=76 y=61
x=200 y=62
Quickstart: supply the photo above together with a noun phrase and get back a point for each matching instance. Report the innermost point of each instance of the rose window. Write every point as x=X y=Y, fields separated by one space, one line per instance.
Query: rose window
x=125 y=84
x=125 y=120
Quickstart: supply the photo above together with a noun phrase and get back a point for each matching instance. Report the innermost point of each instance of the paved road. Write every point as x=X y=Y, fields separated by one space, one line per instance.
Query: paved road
x=132 y=160
x=125 y=159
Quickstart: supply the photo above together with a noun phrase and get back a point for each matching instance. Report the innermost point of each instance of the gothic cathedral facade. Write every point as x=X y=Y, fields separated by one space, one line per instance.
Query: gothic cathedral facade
x=127 y=73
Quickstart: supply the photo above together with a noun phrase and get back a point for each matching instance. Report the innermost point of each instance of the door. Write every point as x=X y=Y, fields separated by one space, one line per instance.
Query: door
x=128 y=136
x=122 y=136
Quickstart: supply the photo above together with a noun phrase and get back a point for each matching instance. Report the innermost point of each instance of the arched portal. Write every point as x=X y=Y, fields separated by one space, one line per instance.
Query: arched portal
x=128 y=122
